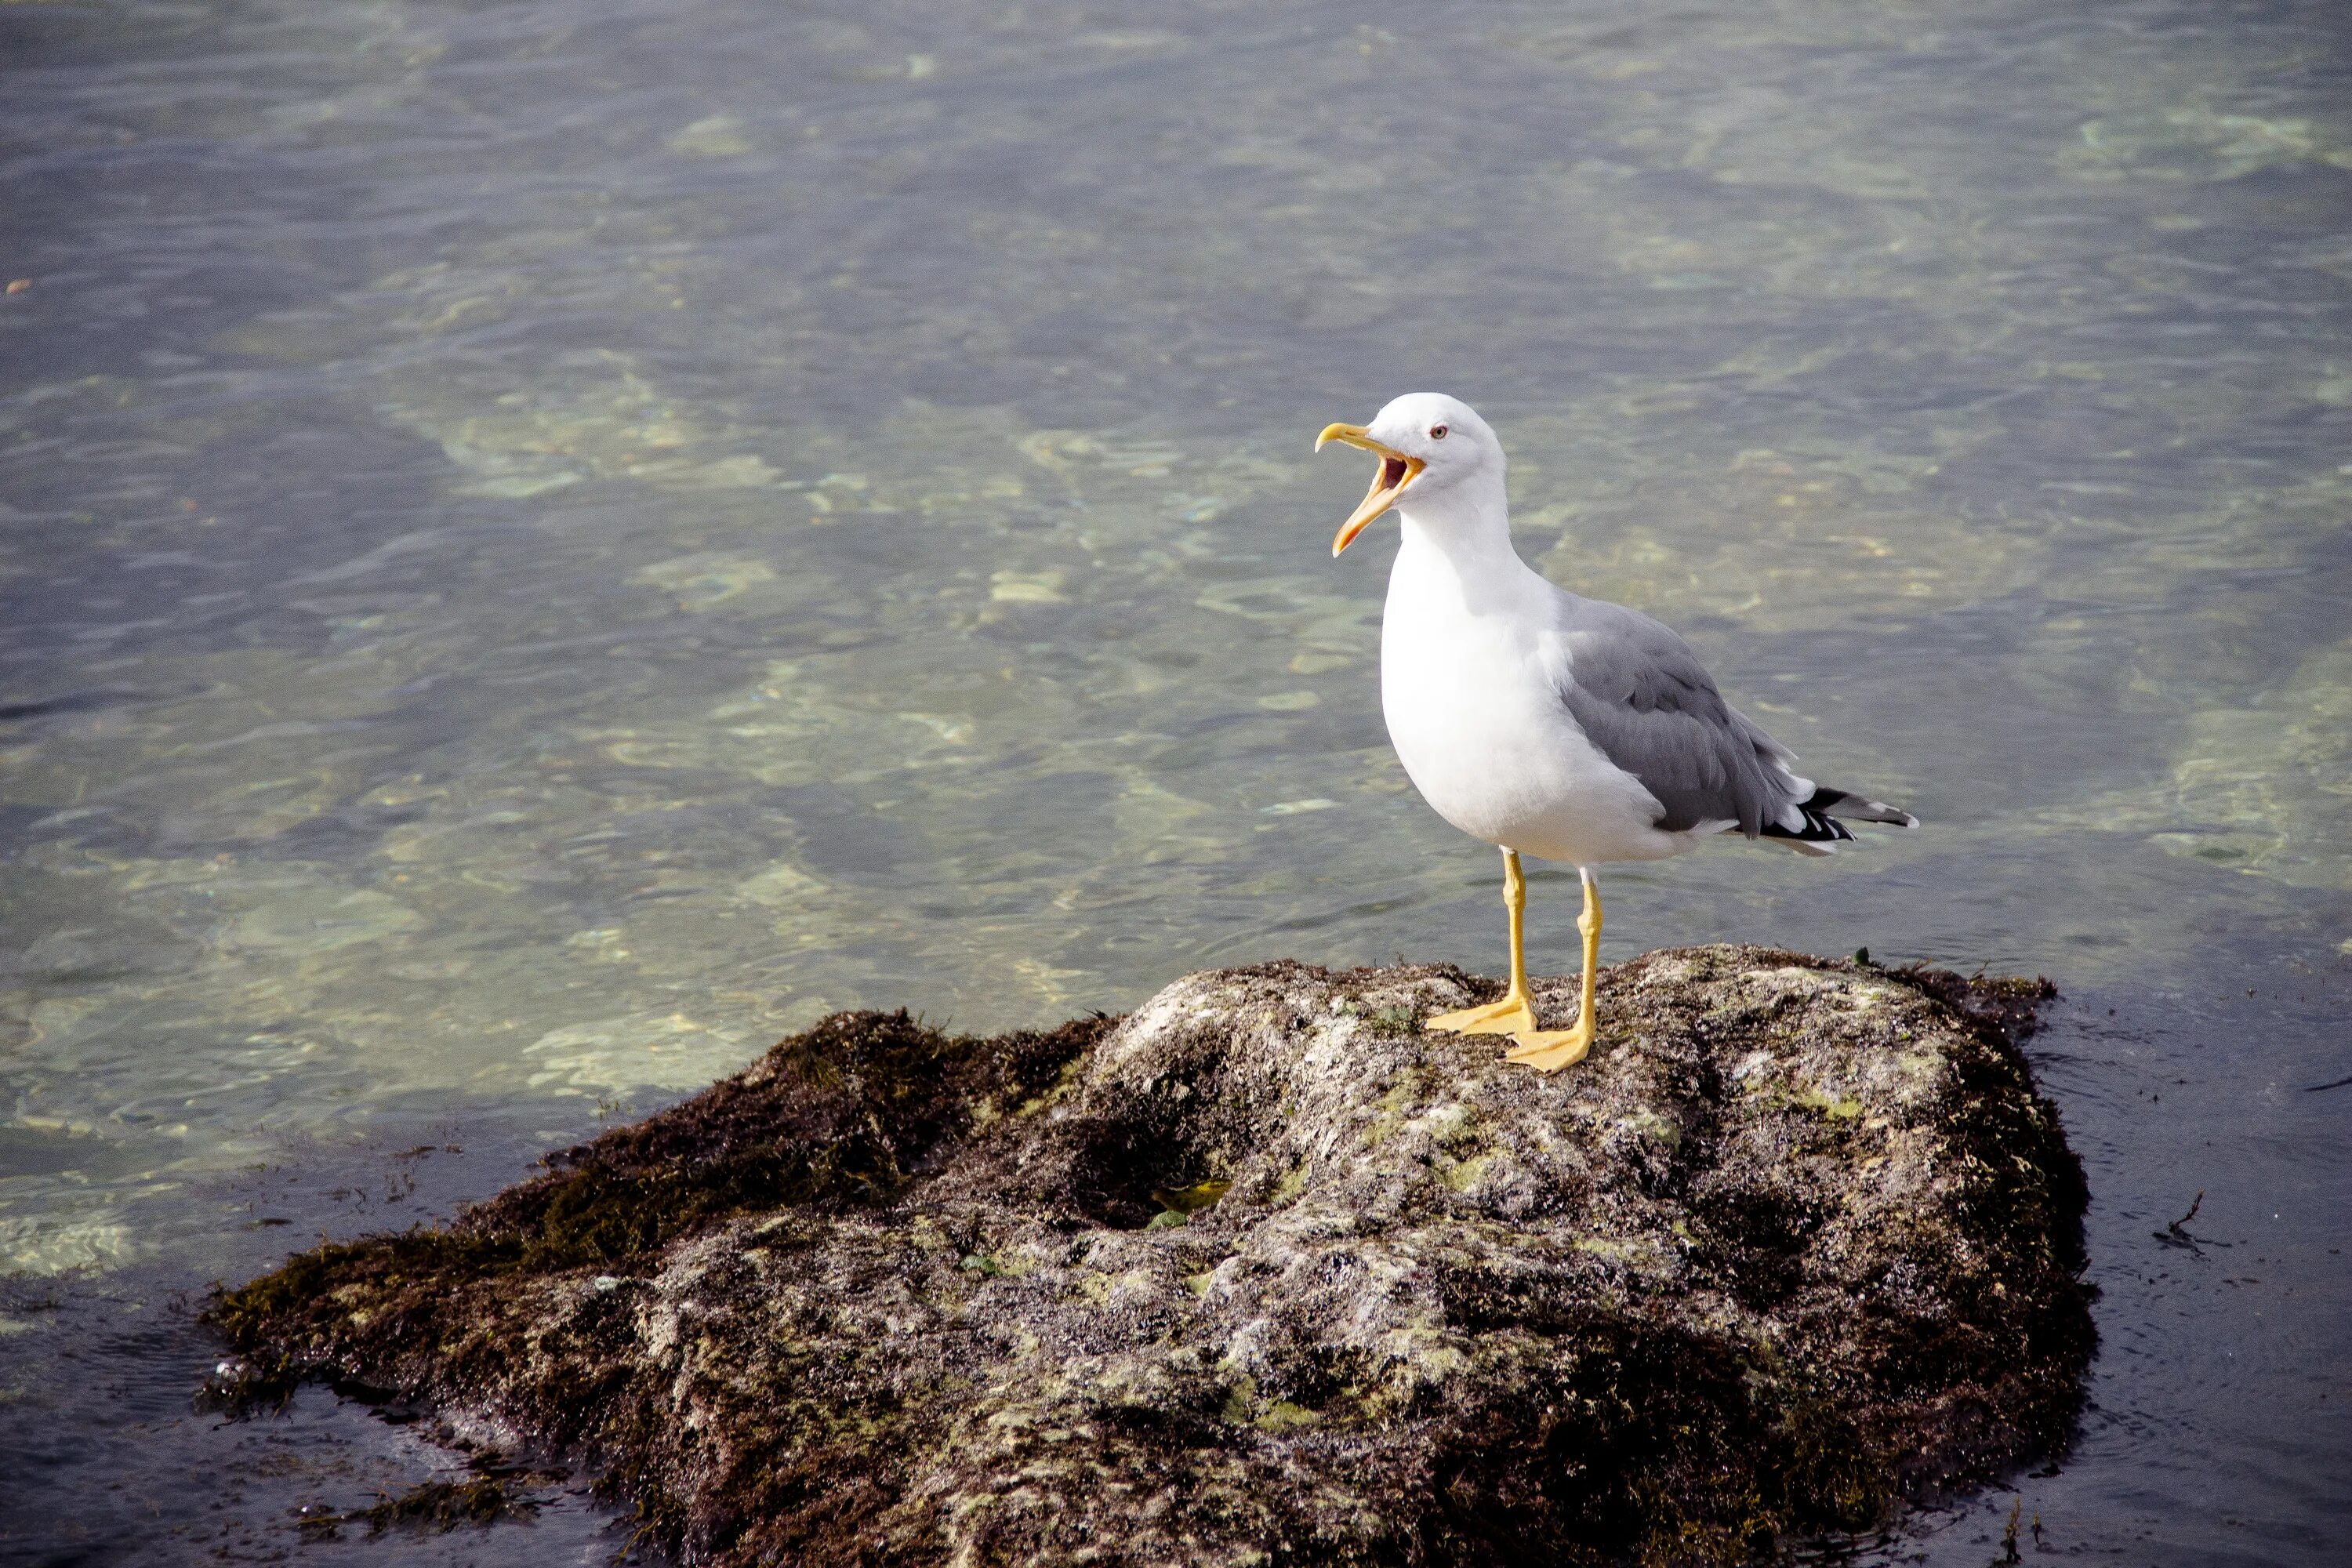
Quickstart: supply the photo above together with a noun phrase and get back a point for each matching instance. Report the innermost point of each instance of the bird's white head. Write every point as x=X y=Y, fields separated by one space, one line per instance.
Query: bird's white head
x=1428 y=443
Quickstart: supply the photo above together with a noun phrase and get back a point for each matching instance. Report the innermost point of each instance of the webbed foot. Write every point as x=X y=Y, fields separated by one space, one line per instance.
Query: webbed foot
x=1550 y=1051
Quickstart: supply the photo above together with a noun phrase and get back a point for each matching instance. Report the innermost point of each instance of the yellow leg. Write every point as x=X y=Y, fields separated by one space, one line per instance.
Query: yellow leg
x=1513 y=1014
x=1549 y=1052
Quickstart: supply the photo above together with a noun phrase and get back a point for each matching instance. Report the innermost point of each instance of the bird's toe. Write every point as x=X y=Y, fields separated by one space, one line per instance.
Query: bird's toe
x=1511 y=1016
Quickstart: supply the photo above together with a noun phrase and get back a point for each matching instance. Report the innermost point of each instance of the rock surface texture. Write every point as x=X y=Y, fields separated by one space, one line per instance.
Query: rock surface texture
x=1263 y=1274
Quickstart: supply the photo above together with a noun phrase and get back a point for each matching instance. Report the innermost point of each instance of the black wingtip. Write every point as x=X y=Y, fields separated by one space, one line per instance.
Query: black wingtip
x=1827 y=802
x=1819 y=828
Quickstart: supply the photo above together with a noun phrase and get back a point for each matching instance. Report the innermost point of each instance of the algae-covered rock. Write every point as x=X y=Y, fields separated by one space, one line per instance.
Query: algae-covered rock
x=1264 y=1274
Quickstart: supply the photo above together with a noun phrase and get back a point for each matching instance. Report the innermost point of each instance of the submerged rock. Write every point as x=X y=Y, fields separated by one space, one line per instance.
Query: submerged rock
x=1264 y=1274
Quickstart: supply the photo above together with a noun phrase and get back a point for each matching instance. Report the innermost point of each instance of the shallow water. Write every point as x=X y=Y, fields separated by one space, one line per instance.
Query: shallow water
x=545 y=545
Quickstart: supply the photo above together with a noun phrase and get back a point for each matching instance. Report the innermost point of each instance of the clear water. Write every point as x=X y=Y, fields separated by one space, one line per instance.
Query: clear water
x=543 y=545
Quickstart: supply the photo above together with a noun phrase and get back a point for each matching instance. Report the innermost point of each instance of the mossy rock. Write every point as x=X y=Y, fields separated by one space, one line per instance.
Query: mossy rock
x=1263 y=1274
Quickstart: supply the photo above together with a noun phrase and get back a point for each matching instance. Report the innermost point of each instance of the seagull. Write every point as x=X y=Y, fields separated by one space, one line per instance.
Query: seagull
x=1547 y=723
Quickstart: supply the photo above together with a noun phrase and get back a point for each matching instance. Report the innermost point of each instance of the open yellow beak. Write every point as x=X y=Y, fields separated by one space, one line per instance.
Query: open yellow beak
x=1396 y=471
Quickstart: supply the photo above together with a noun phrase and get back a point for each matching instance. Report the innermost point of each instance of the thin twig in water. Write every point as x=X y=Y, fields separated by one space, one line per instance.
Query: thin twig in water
x=2315 y=1087
x=2176 y=1233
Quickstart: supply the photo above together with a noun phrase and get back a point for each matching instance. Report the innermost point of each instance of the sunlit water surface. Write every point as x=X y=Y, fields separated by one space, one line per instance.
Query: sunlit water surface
x=543 y=545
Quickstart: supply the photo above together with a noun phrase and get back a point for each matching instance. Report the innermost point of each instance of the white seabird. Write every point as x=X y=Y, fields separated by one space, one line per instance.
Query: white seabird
x=1545 y=723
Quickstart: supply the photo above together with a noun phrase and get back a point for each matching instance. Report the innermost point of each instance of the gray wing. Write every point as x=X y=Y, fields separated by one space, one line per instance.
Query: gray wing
x=1642 y=696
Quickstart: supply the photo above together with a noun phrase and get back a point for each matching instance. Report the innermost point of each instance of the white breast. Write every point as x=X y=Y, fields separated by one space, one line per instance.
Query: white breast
x=1468 y=691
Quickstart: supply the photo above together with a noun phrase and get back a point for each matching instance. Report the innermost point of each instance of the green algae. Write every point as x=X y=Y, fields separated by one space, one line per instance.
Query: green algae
x=442 y=1506
x=1835 y=1107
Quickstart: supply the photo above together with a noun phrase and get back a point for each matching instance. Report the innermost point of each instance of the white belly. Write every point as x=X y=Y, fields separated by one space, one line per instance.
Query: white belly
x=1485 y=738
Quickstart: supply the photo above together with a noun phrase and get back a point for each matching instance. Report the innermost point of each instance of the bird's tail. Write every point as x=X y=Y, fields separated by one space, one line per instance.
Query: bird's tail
x=1811 y=826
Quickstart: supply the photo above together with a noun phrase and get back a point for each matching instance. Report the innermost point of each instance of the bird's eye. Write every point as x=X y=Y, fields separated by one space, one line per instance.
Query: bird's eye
x=1437 y=432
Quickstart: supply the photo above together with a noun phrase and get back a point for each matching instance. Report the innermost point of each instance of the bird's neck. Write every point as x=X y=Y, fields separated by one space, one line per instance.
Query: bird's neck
x=1463 y=536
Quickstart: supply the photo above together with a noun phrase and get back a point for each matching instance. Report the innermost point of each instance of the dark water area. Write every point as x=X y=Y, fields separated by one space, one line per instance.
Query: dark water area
x=543 y=546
